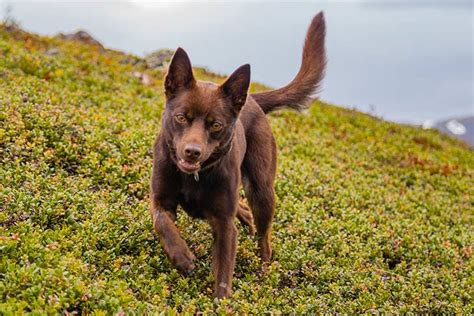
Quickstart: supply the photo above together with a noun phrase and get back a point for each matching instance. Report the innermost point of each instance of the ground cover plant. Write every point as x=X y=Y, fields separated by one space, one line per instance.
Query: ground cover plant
x=371 y=215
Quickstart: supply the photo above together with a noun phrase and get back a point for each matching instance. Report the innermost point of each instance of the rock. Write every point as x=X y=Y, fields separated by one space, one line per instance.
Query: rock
x=80 y=36
x=52 y=52
x=144 y=78
x=132 y=60
x=462 y=128
x=159 y=59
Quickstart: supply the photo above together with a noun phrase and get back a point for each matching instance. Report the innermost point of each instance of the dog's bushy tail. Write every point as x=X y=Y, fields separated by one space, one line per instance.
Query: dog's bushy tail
x=298 y=94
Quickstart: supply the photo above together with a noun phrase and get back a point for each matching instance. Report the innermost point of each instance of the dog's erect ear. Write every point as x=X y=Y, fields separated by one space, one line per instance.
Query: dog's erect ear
x=180 y=73
x=237 y=85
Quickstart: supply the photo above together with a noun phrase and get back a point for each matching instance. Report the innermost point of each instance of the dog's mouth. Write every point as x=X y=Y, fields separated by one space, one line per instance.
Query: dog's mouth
x=188 y=167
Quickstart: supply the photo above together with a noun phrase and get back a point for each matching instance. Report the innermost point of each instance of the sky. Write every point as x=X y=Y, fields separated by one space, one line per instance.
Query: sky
x=407 y=61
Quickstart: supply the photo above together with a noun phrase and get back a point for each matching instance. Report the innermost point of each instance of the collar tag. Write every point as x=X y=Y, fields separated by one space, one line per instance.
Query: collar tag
x=196 y=176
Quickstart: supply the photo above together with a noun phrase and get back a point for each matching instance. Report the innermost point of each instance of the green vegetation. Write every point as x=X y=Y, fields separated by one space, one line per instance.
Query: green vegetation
x=371 y=216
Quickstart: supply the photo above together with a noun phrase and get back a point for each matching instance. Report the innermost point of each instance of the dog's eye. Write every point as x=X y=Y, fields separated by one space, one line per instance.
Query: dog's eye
x=216 y=126
x=180 y=118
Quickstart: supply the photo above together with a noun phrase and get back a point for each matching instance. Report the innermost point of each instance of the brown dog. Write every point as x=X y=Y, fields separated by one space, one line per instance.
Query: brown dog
x=213 y=138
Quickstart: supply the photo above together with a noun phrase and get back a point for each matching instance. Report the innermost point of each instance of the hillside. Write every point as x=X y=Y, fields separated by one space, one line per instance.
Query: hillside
x=371 y=215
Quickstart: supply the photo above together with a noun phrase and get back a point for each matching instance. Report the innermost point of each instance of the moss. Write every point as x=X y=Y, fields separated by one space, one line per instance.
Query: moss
x=371 y=215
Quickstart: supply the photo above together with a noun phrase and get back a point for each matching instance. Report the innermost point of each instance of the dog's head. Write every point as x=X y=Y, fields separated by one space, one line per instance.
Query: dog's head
x=200 y=117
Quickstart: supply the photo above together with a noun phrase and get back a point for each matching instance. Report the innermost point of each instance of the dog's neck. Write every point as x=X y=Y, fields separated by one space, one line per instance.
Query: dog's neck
x=217 y=156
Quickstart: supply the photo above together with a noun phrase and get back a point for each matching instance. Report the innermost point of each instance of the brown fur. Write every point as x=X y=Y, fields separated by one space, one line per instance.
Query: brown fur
x=213 y=139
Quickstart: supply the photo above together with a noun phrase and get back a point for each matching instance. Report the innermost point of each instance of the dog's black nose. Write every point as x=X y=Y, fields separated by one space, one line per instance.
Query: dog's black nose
x=192 y=151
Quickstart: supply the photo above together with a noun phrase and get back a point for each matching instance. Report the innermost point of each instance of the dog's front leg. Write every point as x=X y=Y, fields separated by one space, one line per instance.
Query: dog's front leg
x=175 y=247
x=223 y=255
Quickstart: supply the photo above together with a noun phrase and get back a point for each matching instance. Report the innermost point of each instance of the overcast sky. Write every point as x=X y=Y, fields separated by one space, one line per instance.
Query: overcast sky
x=404 y=60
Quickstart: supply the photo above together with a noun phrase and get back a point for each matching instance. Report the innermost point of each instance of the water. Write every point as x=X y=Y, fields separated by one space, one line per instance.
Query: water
x=407 y=61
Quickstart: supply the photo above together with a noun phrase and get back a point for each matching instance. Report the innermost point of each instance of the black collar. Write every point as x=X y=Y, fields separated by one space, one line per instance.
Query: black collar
x=217 y=155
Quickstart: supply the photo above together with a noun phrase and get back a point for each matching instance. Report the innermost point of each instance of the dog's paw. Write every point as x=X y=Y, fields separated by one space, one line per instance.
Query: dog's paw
x=183 y=261
x=265 y=249
x=222 y=290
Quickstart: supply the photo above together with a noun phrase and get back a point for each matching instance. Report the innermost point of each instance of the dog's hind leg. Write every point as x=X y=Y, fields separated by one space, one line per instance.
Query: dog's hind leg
x=258 y=173
x=262 y=202
x=244 y=214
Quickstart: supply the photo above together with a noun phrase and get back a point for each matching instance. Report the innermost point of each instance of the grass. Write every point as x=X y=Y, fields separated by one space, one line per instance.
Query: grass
x=371 y=216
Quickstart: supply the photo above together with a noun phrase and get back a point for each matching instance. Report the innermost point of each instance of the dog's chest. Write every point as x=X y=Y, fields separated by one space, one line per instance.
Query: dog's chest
x=195 y=198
